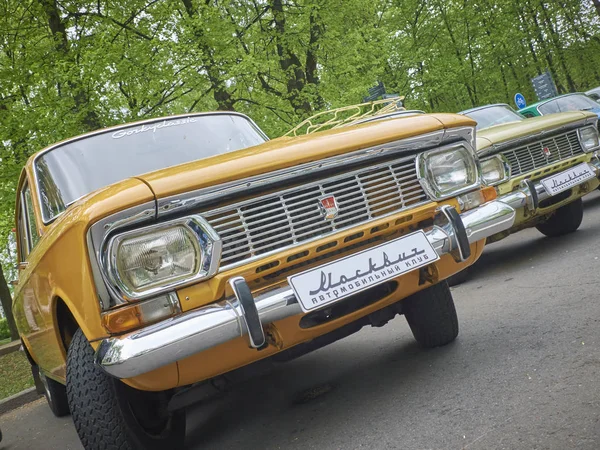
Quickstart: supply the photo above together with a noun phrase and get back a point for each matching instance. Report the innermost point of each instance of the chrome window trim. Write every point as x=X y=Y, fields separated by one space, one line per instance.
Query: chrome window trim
x=48 y=220
x=506 y=145
x=427 y=184
x=23 y=228
x=507 y=170
x=210 y=255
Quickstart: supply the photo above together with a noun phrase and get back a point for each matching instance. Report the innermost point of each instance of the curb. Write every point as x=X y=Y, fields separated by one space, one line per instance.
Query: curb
x=10 y=347
x=17 y=400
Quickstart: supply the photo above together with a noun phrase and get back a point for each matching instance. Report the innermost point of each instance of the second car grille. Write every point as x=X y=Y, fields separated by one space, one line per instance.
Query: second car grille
x=533 y=156
x=264 y=225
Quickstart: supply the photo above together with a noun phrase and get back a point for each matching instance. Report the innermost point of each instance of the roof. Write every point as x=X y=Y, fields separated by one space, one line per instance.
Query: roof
x=541 y=102
x=467 y=111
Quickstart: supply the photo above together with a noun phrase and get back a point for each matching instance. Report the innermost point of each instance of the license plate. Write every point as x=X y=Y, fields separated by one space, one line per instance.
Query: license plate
x=567 y=179
x=339 y=279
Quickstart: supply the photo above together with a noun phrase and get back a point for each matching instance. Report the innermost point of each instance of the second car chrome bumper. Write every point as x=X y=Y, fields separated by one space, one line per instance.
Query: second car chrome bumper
x=179 y=337
x=530 y=194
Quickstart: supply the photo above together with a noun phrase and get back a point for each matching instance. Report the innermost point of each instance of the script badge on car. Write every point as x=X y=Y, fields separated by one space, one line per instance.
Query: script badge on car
x=339 y=279
x=567 y=179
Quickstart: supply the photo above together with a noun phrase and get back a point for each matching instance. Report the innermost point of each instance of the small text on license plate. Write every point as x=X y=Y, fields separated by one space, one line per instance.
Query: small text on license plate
x=336 y=280
x=567 y=179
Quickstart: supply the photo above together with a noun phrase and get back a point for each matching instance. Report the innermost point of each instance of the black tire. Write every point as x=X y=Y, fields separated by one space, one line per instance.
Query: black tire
x=458 y=278
x=55 y=393
x=431 y=315
x=108 y=414
x=565 y=219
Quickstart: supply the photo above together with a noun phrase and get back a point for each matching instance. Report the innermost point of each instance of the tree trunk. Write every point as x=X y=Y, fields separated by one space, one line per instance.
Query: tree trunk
x=6 y=300
x=58 y=28
x=225 y=101
x=597 y=6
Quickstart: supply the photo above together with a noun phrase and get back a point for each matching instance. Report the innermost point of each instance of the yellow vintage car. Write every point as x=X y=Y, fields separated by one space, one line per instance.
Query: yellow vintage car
x=552 y=159
x=158 y=258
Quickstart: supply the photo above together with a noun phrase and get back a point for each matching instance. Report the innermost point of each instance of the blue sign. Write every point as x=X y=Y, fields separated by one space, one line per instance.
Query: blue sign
x=520 y=101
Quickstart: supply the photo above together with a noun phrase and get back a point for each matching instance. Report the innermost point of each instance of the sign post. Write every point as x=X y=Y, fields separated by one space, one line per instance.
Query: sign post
x=375 y=92
x=544 y=86
x=520 y=101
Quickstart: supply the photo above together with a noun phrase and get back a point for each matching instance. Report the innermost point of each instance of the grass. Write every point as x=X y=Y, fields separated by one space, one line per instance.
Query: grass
x=5 y=341
x=15 y=374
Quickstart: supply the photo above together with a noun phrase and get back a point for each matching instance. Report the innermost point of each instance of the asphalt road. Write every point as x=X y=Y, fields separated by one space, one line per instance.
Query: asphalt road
x=524 y=372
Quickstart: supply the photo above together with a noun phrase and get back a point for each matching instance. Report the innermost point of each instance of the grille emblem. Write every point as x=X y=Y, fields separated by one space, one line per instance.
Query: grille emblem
x=329 y=207
x=547 y=152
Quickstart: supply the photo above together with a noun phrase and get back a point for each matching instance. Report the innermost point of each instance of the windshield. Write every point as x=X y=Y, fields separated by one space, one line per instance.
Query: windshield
x=569 y=103
x=70 y=171
x=493 y=115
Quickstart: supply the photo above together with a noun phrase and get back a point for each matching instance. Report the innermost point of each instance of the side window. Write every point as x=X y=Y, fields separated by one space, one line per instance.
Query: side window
x=549 y=108
x=28 y=232
x=23 y=247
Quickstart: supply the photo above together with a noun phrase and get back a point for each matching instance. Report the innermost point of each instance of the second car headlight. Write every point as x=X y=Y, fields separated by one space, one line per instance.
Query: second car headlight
x=445 y=173
x=153 y=259
x=494 y=170
x=588 y=137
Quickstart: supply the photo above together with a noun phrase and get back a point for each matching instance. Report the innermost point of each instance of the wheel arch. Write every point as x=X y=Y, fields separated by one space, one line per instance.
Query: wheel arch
x=67 y=319
x=66 y=324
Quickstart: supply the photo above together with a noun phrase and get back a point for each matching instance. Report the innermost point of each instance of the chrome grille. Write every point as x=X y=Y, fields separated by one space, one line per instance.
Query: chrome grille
x=266 y=224
x=531 y=157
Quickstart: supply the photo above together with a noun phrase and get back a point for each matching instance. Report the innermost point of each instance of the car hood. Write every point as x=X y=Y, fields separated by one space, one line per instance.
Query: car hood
x=596 y=111
x=501 y=134
x=284 y=152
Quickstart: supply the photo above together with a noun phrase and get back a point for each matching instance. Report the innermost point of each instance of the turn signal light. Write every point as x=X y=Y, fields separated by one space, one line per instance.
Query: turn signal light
x=489 y=194
x=141 y=314
x=476 y=198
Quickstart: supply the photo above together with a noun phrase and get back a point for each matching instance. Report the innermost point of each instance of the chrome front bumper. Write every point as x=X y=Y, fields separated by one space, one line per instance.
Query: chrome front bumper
x=530 y=194
x=198 y=330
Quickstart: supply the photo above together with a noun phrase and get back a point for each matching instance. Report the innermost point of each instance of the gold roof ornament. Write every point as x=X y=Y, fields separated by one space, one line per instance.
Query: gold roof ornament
x=346 y=115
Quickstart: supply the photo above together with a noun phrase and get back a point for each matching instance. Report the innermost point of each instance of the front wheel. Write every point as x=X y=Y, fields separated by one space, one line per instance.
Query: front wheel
x=458 y=278
x=108 y=414
x=55 y=393
x=565 y=219
x=431 y=315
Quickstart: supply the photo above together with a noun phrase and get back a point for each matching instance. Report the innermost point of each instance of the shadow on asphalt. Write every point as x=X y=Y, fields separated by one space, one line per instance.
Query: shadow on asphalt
x=520 y=254
x=268 y=403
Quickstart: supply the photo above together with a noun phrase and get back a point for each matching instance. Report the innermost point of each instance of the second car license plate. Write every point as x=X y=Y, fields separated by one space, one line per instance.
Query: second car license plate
x=567 y=179
x=339 y=279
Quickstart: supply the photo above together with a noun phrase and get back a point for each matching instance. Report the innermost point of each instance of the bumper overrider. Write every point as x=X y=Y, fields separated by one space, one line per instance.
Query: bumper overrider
x=195 y=331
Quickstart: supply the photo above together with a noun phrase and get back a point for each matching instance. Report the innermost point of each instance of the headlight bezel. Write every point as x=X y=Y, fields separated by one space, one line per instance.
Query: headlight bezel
x=505 y=164
x=594 y=130
x=429 y=185
x=207 y=240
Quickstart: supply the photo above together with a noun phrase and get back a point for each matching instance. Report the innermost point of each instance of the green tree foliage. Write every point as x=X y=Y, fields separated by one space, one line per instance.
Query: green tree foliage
x=70 y=66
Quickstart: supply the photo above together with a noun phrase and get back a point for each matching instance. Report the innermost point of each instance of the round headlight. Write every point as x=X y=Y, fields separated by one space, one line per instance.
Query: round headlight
x=588 y=137
x=494 y=170
x=445 y=173
x=150 y=260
